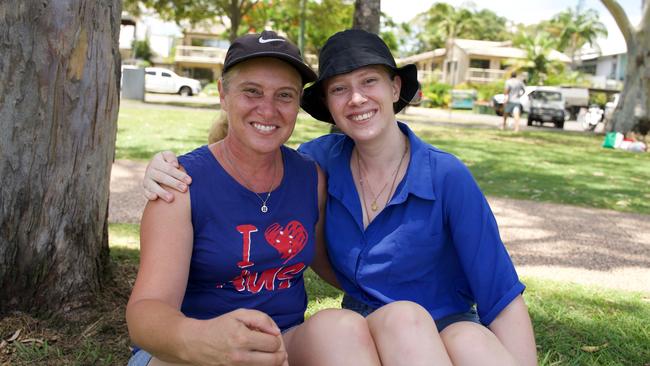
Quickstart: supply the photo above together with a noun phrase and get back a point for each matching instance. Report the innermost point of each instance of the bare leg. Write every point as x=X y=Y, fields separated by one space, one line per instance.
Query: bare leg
x=505 y=119
x=473 y=344
x=405 y=334
x=331 y=337
x=516 y=114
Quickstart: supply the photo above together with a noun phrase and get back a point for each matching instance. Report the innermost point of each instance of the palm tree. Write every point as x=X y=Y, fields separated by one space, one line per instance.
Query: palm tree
x=537 y=63
x=576 y=28
x=447 y=23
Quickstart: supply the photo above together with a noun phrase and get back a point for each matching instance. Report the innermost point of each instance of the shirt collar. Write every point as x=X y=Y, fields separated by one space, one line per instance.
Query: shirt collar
x=418 y=180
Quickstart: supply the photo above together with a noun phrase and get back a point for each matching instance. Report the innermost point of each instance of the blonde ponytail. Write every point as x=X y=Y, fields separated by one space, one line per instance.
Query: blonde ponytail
x=219 y=128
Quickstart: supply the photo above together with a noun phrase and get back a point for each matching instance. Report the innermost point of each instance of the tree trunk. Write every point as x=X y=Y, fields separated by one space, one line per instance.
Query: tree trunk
x=366 y=15
x=633 y=109
x=59 y=75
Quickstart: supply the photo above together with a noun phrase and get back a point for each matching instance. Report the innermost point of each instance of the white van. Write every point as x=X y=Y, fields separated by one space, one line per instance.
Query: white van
x=161 y=80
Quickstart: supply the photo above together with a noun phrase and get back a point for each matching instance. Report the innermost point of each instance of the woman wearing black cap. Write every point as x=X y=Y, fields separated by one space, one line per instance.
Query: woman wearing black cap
x=221 y=268
x=407 y=221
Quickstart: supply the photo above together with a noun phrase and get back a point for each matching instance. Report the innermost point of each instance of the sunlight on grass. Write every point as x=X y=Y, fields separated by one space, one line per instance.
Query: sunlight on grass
x=541 y=165
x=574 y=324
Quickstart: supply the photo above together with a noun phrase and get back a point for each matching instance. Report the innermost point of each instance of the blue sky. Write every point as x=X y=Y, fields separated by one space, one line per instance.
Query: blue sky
x=527 y=12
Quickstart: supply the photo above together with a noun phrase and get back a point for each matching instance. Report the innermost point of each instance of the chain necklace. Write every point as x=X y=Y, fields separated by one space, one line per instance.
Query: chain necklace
x=264 y=208
x=373 y=204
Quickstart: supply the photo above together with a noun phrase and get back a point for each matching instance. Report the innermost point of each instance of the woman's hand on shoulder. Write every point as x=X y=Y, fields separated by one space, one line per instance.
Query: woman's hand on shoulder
x=241 y=337
x=164 y=169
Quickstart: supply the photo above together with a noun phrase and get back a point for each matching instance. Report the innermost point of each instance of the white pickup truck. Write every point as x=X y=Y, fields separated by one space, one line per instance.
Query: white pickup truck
x=161 y=80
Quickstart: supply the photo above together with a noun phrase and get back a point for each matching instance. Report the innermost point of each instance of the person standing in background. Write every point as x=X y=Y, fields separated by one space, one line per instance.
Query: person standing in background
x=513 y=91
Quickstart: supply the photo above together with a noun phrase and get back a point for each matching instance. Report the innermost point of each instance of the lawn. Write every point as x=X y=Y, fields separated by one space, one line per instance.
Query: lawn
x=574 y=325
x=551 y=166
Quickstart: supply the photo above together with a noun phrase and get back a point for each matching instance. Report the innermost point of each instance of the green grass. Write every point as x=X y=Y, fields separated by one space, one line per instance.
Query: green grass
x=143 y=131
x=574 y=325
x=551 y=166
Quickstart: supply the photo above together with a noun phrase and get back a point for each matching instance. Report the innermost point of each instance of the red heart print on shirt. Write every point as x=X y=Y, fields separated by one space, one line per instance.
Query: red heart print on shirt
x=288 y=240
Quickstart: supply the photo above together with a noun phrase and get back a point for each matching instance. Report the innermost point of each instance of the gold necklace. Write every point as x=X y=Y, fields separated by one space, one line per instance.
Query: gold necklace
x=373 y=204
x=264 y=208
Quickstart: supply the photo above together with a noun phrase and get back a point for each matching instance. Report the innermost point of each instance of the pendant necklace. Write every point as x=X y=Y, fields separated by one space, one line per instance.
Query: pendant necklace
x=264 y=208
x=373 y=204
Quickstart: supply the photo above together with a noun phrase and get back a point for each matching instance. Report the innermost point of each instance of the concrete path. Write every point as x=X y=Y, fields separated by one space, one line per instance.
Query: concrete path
x=567 y=243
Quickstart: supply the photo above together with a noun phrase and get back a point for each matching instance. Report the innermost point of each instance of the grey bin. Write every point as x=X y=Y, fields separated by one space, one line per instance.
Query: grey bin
x=132 y=83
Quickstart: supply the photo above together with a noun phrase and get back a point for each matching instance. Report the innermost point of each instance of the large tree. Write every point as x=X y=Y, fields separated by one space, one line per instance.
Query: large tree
x=322 y=19
x=576 y=28
x=229 y=12
x=440 y=24
x=633 y=110
x=59 y=77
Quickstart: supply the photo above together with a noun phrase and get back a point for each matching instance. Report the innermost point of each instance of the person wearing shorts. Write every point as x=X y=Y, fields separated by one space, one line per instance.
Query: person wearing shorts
x=514 y=89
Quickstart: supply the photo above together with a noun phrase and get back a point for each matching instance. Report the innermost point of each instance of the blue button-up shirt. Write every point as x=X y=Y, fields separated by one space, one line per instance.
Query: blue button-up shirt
x=436 y=242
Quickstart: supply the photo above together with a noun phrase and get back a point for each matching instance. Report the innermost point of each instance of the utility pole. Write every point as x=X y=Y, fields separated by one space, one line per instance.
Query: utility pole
x=301 y=40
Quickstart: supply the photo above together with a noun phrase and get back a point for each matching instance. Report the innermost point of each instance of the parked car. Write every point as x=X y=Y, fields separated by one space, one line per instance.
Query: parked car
x=547 y=104
x=497 y=101
x=161 y=80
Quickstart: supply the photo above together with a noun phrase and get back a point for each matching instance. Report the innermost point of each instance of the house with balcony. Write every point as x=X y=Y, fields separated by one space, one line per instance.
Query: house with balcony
x=466 y=60
x=606 y=71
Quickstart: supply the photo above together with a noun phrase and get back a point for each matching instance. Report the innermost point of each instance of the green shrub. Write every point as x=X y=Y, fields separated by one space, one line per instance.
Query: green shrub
x=211 y=89
x=436 y=94
x=598 y=98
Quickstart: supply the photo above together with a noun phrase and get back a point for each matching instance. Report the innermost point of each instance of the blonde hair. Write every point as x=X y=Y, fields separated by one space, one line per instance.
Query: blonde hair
x=219 y=128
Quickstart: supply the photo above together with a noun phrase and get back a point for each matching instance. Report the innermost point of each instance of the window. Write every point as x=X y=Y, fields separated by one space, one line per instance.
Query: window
x=479 y=64
x=166 y=75
x=151 y=73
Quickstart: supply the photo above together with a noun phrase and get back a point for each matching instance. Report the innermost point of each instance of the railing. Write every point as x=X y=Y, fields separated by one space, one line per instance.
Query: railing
x=200 y=54
x=427 y=76
x=477 y=75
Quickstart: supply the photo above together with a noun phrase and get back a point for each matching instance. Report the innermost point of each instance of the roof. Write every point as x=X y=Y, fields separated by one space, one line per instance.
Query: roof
x=502 y=49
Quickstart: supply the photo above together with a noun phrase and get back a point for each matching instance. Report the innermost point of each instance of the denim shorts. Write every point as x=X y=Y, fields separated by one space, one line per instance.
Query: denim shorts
x=140 y=358
x=351 y=303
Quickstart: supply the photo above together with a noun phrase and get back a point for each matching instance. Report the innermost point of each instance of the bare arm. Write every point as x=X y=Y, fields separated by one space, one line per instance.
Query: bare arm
x=241 y=337
x=515 y=331
x=321 y=264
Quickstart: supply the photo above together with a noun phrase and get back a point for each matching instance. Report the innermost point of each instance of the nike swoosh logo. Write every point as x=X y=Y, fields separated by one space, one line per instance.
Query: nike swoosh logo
x=262 y=40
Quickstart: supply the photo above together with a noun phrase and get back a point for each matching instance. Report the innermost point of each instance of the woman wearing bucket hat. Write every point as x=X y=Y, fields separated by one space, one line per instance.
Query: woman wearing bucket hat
x=221 y=268
x=404 y=220
x=407 y=221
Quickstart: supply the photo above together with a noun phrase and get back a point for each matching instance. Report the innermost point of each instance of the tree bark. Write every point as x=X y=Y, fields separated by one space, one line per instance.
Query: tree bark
x=633 y=109
x=367 y=15
x=59 y=75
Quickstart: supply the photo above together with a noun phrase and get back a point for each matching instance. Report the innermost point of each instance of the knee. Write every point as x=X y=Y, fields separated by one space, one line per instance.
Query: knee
x=341 y=324
x=457 y=336
x=404 y=315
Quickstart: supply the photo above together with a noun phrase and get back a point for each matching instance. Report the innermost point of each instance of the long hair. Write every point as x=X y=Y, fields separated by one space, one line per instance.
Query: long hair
x=219 y=128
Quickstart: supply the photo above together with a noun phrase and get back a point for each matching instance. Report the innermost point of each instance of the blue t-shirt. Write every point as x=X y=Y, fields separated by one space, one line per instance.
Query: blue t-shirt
x=436 y=242
x=242 y=257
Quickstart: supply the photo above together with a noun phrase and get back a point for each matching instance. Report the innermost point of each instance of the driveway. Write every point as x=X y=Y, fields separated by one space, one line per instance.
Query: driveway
x=566 y=243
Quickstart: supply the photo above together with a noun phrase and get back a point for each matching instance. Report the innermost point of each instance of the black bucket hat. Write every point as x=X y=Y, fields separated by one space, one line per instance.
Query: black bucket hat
x=267 y=44
x=347 y=51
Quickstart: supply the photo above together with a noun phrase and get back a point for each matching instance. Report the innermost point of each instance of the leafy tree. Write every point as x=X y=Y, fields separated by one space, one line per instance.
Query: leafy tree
x=142 y=50
x=59 y=76
x=323 y=19
x=632 y=112
x=537 y=63
x=195 y=11
x=575 y=29
x=438 y=26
